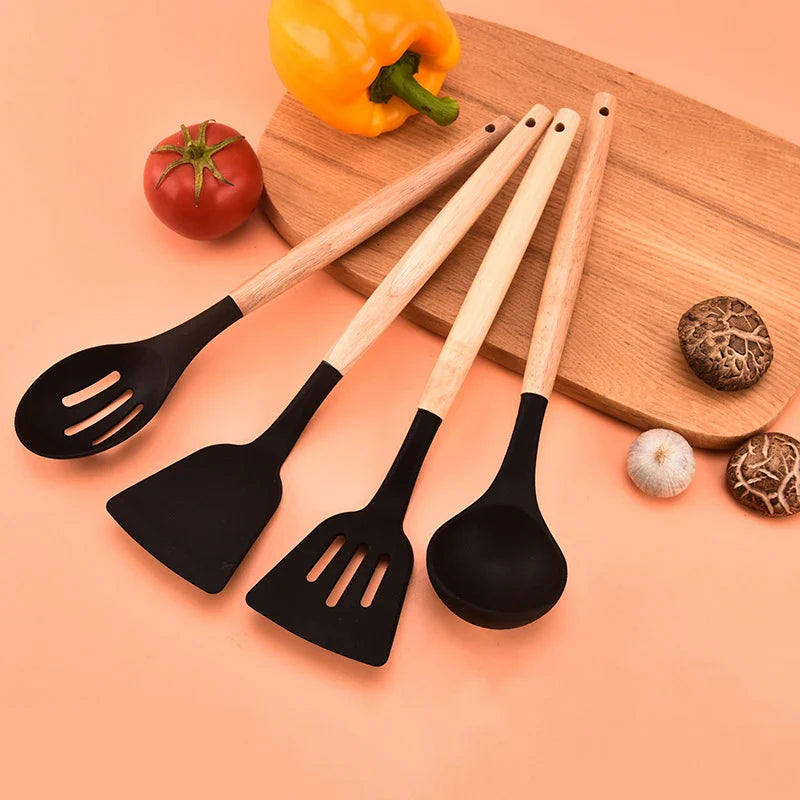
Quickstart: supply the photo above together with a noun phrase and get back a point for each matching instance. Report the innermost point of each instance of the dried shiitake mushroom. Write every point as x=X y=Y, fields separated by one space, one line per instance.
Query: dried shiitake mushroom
x=764 y=474
x=726 y=343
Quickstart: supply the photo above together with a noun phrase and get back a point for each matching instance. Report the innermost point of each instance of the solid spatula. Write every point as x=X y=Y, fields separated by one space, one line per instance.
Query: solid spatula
x=66 y=414
x=201 y=515
x=496 y=564
x=298 y=592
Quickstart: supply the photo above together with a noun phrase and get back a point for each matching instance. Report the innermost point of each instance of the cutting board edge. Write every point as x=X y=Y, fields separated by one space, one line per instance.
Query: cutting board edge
x=637 y=418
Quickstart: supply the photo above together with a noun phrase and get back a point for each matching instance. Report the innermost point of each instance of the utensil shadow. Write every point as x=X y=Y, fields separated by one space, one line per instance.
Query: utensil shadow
x=310 y=657
x=164 y=579
x=497 y=650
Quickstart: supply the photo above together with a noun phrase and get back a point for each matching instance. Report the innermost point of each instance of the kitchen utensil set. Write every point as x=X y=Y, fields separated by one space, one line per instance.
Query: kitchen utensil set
x=201 y=515
x=494 y=564
x=347 y=626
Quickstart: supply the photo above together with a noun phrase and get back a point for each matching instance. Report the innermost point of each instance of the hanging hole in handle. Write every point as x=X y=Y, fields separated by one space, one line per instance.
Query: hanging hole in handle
x=560 y=127
x=490 y=128
x=604 y=112
x=530 y=122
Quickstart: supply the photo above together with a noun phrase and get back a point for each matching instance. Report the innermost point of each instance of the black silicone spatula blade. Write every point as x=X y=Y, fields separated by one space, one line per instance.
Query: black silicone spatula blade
x=298 y=600
x=201 y=515
x=302 y=605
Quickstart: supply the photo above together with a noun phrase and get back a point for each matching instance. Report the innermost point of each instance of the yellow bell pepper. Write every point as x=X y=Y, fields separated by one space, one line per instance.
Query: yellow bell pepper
x=365 y=66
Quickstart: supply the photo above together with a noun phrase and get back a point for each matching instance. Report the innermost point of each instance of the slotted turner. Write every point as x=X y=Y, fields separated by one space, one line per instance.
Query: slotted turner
x=350 y=626
x=201 y=515
x=147 y=370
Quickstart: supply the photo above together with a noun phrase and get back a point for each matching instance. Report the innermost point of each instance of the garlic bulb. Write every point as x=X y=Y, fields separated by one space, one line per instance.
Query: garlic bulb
x=661 y=463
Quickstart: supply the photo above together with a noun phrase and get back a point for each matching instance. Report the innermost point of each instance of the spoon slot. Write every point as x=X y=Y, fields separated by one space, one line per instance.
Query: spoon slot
x=90 y=391
x=111 y=423
x=82 y=415
x=119 y=426
x=101 y=414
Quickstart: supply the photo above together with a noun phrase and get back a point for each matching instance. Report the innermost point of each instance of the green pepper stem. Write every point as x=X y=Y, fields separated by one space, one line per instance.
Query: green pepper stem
x=397 y=80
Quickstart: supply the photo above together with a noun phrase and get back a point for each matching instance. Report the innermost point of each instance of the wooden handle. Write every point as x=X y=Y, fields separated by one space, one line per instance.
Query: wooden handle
x=499 y=265
x=569 y=251
x=436 y=242
x=365 y=219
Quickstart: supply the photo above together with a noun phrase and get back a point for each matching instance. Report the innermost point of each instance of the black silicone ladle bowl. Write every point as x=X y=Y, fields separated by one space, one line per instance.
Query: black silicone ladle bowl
x=496 y=564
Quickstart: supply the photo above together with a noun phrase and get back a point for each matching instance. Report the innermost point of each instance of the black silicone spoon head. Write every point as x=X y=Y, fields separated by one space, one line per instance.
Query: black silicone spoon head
x=201 y=515
x=97 y=398
x=302 y=592
x=496 y=564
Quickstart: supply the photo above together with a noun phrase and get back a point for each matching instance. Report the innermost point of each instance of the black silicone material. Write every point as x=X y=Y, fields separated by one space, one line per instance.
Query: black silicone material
x=148 y=370
x=201 y=515
x=183 y=342
x=278 y=440
x=496 y=564
x=286 y=595
x=517 y=471
x=394 y=494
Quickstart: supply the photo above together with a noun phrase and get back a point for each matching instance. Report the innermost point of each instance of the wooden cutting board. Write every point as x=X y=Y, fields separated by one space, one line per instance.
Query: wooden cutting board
x=695 y=204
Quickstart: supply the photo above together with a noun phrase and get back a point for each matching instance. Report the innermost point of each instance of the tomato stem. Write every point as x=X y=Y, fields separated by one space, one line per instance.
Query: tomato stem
x=199 y=154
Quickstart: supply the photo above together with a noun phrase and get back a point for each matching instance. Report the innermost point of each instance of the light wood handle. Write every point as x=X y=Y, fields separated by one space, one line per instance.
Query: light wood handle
x=365 y=219
x=499 y=265
x=437 y=241
x=569 y=251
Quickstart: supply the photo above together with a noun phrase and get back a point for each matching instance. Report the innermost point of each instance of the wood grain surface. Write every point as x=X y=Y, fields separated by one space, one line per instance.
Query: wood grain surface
x=499 y=265
x=366 y=218
x=568 y=256
x=437 y=241
x=694 y=204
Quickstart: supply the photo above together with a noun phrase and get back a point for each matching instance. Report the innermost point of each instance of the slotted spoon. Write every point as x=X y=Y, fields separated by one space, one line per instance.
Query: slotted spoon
x=350 y=625
x=201 y=515
x=148 y=369
x=496 y=564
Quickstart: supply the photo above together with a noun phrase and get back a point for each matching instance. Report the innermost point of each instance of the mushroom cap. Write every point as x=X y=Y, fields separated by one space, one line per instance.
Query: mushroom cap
x=726 y=343
x=764 y=474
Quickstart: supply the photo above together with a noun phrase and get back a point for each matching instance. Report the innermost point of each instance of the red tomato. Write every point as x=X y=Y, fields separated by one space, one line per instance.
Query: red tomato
x=203 y=181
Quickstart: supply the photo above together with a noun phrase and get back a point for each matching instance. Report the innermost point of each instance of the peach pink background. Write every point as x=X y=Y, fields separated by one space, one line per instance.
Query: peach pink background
x=670 y=667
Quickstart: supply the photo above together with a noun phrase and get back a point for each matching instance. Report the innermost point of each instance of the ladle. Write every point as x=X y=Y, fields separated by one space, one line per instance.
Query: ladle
x=496 y=564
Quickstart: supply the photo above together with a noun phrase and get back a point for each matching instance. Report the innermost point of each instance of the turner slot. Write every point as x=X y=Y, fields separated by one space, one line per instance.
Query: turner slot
x=346 y=576
x=325 y=559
